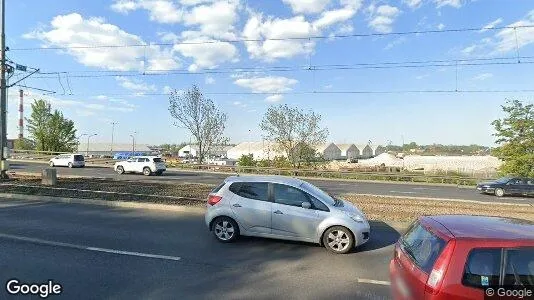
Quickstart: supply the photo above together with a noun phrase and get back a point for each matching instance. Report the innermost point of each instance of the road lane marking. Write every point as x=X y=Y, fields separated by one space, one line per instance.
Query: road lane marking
x=87 y=248
x=425 y=189
x=372 y=281
x=400 y=192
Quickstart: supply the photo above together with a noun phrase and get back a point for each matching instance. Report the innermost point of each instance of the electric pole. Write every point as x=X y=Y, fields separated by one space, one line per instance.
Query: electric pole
x=3 y=98
x=112 y=132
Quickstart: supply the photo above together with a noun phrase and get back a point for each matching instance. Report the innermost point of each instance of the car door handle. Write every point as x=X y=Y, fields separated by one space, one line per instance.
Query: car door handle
x=237 y=205
x=278 y=212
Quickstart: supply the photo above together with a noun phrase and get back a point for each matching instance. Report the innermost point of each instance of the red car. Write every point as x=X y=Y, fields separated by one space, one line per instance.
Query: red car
x=460 y=256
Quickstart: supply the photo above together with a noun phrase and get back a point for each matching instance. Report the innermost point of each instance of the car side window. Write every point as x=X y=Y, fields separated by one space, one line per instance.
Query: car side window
x=516 y=181
x=482 y=268
x=519 y=269
x=251 y=190
x=288 y=195
x=317 y=204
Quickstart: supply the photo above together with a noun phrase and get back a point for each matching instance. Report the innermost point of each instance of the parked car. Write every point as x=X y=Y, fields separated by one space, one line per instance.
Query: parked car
x=459 y=256
x=508 y=186
x=147 y=165
x=68 y=160
x=284 y=208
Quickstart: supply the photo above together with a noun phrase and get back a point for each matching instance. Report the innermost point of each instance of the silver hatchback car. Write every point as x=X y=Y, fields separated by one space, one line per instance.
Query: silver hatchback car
x=284 y=208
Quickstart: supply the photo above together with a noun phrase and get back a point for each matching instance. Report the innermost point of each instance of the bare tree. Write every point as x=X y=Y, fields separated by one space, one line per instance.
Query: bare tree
x=200 y=116
x=295 y=131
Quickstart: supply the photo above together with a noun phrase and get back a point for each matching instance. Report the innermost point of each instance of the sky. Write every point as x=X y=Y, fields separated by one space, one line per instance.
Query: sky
x=366 y=66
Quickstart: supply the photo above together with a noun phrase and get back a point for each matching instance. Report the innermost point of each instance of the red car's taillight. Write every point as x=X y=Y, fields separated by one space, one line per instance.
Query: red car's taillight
x=214 y=199
x=433 y=284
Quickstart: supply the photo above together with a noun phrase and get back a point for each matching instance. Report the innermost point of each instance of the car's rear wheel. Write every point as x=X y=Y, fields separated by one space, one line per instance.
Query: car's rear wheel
x=499 y=192
x=225 y=229
x=146 y=171
x=120 y=170
x=338 y=239
x=70 y=165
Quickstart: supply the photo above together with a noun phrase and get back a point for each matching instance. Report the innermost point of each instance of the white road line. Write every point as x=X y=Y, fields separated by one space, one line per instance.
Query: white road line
x=399 y=192
x=88 y=248
x=372 y=281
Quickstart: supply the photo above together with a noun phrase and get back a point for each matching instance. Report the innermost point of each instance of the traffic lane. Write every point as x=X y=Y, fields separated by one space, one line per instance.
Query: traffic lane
x=332 y=186
x=90 y=275
x=274 y=267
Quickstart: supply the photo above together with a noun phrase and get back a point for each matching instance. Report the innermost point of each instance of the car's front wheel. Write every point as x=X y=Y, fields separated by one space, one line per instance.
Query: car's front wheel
x=338 y=239
x=51 y=163
x=146 y=171
x=70 y=165
x=225 y=229
x=499 y=192
x=120 y=170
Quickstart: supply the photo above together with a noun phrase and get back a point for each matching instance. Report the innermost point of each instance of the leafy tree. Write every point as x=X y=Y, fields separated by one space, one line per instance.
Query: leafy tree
x=24 y=144
x=515 y=136
x=50 y=129
x=200 y=116
x=246 y=161
x=294 y=130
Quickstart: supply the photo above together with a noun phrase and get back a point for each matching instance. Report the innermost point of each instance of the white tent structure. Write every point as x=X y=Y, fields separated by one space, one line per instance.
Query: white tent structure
x=328 y=151
x=348 y=150
x=188 y=151
x=259 y=150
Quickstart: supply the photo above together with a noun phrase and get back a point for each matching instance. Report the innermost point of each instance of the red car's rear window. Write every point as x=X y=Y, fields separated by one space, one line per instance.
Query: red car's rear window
x=422 y=246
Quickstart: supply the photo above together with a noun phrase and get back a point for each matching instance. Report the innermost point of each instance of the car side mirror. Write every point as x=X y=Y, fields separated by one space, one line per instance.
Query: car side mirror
x=306 y=205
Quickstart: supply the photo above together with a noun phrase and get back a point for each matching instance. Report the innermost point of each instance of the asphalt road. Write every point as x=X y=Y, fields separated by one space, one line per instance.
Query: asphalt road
x=98 y=252
x=333 y=186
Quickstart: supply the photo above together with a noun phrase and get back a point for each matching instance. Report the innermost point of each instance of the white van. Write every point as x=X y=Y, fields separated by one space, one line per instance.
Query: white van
x=68 y=160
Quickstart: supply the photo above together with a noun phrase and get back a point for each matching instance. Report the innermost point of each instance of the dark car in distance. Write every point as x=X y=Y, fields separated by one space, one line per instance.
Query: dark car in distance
x=508 y=186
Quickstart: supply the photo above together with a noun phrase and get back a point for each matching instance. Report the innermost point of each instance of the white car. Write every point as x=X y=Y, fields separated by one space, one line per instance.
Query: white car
x=68 y=160
x=147 y=165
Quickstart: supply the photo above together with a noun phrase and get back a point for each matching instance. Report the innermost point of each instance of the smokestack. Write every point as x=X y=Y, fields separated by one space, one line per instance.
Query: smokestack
x=21 y=115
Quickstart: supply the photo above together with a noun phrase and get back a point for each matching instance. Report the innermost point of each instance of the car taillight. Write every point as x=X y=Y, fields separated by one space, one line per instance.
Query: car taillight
x=214 y=199
x=435 y=279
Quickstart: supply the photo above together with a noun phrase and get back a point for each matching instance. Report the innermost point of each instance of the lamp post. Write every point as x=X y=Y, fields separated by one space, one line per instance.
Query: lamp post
x=78 y=140
x=133 y=143
x=88 y=137
x=112 y=132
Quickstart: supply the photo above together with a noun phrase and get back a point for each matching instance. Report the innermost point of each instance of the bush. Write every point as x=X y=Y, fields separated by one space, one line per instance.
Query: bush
x=246 y=161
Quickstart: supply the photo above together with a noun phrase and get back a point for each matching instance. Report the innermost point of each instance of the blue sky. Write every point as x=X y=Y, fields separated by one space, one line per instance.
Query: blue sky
x=98 y=85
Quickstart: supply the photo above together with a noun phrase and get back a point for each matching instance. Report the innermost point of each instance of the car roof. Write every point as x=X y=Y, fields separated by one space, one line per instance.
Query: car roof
x=266 y=178
x=486 y=227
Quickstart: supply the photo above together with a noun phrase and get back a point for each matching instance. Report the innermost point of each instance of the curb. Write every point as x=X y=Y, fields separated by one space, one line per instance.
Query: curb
x=443 y=199
x=115 y=203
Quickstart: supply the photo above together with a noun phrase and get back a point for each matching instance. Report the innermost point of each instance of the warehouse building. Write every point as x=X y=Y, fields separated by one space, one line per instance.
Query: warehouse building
x=365 y=150
x=259 y=150
x=192 y=150
x=328 y=151
x=107 y=149
x=349 y=151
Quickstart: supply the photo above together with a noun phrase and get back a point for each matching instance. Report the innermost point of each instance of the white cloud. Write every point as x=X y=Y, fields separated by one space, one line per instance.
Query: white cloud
x=453 y=3
x=441 y=26
x=267 y=84
x=167 y=89
x=396 y=42
x=216 y=19
x=307 y=6
x=78 y=35
x=483 y=76
x=423 y=76
x=382 y=17
x=161 y=11
x=491 y=25
x=274 y=98
x=135 y=84
x=331 y=17
x=413 y=3
x=206 y=52
x=209 y=80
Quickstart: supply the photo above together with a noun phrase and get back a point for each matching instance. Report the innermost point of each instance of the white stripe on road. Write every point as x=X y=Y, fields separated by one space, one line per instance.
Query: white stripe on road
x=380 y=282
x=88 y=248
x=399 y=192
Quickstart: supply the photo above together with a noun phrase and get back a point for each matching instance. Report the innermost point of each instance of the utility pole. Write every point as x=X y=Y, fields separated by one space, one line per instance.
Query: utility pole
x=3 y=97
x=133 y=144
x=88 y=137
x=112 y=132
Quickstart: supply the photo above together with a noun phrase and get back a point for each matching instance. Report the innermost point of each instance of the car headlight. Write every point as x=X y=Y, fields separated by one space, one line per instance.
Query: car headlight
x=486 y=186
x=356 y=217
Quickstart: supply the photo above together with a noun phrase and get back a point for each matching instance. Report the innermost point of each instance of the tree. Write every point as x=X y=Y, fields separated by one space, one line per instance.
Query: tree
x=294 y=130
x=24 y=144
x=515 y=137
x=200 y=116
x=50 y=130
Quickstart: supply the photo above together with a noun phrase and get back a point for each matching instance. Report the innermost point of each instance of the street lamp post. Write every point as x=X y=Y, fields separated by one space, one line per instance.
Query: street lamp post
x=78 y=140
x=112 y=133
x=88 y=137
x=133 y=143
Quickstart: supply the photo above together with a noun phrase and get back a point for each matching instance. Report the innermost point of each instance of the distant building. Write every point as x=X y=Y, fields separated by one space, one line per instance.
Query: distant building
x=193 y=150
x=365 y=150
x=259 y=150
x=348 y=151
x=328 y=151
x=378 y=149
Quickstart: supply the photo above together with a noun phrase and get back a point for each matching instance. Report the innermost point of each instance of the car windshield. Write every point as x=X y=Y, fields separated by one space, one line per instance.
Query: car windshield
x=317 y=192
